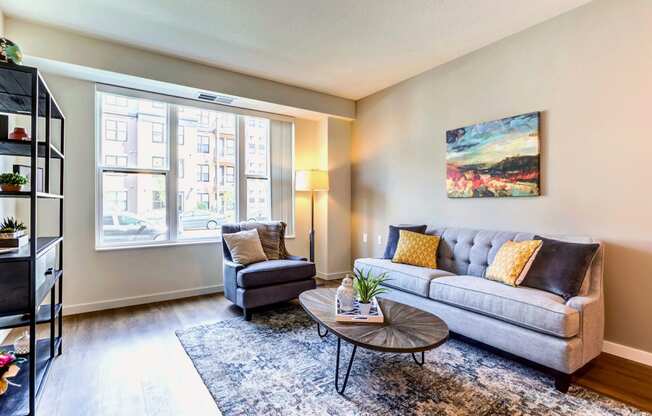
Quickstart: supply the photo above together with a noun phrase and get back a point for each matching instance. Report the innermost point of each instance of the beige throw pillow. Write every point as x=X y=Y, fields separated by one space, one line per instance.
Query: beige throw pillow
x=245 y=247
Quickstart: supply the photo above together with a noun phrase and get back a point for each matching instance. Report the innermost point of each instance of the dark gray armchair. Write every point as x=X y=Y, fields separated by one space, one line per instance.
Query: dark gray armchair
x=264 y=283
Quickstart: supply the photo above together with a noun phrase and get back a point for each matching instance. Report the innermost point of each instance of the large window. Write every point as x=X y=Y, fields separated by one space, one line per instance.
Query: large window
x=143 y=200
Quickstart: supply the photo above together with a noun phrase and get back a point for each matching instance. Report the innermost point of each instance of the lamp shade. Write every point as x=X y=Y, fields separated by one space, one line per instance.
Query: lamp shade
x=311 y=180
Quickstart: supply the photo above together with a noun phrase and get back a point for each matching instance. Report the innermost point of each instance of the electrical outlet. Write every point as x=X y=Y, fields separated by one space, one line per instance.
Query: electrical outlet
x=364 y=237
x=380 y=239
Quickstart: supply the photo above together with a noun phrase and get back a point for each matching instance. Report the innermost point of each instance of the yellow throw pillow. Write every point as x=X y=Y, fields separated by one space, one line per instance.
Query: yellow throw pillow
x=510 y=261
x=416 y=249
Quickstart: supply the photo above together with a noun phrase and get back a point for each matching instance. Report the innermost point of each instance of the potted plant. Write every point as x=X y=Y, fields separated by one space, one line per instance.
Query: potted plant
x=368 y=286
x=8 y=369
x=12 y=182
x=11 y=228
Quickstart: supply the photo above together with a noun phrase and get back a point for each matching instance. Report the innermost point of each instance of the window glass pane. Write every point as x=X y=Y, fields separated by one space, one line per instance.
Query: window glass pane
x=205 y=200
x=258 y=199
x=256 y=146
x=133 y=207
x=133 y=132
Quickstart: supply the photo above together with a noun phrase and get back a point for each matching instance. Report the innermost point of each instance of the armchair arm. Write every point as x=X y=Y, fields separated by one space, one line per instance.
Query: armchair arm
x=298 y=258
x=591 y=310
x=233 y=265
x=231 y=270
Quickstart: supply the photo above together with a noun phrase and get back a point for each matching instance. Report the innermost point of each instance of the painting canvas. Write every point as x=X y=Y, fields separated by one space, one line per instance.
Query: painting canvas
x=494 y=159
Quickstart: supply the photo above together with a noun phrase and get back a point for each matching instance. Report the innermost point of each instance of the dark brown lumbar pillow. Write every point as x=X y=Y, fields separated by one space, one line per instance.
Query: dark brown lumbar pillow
x=272 y=235
x=393 y=234
x=560 y=267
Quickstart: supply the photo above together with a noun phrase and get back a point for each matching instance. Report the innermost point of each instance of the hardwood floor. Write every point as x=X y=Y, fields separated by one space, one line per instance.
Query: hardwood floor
x=622 y=379
x=129 y=362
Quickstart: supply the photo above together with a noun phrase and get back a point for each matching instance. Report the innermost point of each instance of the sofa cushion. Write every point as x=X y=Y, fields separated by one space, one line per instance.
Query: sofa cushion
x=530 y=308
x=274 y=272
x=405 y=277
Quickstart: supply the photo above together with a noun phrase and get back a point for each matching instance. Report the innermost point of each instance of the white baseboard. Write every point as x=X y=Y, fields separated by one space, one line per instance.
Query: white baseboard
x=140 y=300
x=629 y=353
x=332 y=276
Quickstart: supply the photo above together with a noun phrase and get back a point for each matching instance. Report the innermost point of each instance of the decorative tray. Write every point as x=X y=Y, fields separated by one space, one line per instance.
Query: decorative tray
x=375 y=315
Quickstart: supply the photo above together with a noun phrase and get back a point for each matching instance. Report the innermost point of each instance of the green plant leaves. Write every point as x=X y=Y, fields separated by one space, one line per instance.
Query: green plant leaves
x=368 y=285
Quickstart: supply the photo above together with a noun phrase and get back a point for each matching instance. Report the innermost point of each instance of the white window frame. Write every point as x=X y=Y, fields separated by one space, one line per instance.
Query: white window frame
x=175 y=106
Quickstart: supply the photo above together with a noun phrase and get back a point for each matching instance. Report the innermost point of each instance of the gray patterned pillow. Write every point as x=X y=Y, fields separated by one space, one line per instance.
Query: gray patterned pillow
x=271 y=237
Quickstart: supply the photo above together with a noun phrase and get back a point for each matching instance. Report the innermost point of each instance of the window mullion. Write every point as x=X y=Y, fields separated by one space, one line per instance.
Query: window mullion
x=241 y=168
x=173 y=167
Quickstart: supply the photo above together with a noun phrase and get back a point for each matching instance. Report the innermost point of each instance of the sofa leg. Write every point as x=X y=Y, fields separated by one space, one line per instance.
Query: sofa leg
x=562 y=382
x=247 y=314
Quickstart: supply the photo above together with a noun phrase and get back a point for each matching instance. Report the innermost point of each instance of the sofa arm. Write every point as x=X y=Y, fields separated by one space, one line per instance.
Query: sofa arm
x=231 y=270
x=591 y=310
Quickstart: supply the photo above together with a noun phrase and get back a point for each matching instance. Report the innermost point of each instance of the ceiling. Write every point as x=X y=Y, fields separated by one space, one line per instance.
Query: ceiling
x=348 y=48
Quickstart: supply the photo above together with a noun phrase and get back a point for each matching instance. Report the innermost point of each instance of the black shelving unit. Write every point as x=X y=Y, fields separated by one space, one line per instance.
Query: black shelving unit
x=35 y=272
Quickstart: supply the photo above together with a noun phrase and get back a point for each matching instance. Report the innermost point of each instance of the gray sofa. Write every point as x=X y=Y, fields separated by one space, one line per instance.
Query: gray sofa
x=532 y=324
x=266 y=282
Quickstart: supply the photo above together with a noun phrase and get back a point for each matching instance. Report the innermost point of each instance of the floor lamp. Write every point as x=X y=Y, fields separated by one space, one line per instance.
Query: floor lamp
x=312 y=181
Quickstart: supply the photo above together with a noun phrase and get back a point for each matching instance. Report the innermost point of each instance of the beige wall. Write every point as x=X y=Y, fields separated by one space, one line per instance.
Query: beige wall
x=338 y=207
x=589 y=71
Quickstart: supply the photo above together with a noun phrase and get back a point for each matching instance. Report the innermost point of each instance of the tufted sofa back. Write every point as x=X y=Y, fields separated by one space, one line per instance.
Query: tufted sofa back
x=467 y=251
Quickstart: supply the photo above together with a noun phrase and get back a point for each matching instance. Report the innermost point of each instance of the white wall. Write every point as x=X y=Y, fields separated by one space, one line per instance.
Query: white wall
x=64 y=46
x=103 y=279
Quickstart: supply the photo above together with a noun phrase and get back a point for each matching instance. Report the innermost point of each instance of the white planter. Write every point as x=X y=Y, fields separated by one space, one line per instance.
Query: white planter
x=17 y=234
x=364 y=308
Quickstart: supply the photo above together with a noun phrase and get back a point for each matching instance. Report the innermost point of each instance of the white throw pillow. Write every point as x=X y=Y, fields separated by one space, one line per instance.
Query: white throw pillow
x=245 y=247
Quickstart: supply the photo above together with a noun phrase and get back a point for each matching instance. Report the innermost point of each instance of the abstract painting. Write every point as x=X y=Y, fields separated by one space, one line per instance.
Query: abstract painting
x=494 y=159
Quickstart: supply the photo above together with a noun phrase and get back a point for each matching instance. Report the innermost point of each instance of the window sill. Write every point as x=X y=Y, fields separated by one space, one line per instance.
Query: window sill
x=158 y=245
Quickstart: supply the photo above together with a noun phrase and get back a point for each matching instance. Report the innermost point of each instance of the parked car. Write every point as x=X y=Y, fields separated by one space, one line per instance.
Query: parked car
x=128 y=227
x=201 y=220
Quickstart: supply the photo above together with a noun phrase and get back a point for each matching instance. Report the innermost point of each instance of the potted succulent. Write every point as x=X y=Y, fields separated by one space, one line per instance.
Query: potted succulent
x=12 y=182
x=368 y=286
x=11 y=228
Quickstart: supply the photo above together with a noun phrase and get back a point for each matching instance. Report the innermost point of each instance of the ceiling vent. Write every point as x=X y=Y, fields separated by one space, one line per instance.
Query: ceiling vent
x=222 y=99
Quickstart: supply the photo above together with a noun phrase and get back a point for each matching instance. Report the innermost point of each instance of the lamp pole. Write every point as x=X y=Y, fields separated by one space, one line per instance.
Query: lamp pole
x=311 y=236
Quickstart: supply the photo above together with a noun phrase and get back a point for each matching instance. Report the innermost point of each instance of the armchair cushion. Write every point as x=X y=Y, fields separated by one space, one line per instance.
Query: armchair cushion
x=273 y=272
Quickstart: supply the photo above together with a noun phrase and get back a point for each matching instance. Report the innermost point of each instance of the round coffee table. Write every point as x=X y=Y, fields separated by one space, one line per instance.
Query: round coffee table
x=406 y=329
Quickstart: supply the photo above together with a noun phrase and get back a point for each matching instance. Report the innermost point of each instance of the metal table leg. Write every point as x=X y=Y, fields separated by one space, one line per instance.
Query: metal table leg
x=337 y=368
x=319 y=331
x=423 y=358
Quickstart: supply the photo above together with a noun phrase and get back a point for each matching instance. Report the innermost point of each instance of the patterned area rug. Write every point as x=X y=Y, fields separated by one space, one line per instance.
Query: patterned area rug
x=277 y=365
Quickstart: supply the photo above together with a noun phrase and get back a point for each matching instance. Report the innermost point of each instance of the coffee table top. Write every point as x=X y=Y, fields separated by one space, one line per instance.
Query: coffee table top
x=406 y=329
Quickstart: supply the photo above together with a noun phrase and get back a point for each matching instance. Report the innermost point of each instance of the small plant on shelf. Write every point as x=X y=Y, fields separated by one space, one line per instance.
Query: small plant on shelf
x=11 y=228
x=8 y=369
x=12 y=182
x=368 y=286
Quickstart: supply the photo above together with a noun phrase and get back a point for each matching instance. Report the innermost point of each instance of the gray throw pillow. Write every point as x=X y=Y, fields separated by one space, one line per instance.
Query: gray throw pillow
x=560 y=267
x=271 y=235
x=245 y=247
